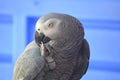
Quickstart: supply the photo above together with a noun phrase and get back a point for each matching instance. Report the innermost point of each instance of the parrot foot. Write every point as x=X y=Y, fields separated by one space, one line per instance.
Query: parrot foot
x=47 y=52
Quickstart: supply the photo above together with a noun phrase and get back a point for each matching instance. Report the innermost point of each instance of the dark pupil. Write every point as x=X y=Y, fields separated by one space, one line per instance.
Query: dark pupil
x=50 y=25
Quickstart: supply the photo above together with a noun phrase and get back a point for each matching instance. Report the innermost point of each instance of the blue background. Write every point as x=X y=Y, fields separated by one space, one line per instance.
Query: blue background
x=100 y=18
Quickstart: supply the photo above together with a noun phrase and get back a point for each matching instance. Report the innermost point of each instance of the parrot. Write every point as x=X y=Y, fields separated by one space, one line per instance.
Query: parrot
x=59 y=51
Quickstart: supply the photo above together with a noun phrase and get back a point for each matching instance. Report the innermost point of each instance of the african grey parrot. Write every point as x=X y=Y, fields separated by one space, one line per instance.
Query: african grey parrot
x=62 y=37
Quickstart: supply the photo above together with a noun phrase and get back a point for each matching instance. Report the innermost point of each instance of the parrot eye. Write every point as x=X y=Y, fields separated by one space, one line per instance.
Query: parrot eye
x=50 y=25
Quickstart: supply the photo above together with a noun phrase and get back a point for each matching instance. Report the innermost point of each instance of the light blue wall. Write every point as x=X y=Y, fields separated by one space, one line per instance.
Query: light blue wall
x=101 y=21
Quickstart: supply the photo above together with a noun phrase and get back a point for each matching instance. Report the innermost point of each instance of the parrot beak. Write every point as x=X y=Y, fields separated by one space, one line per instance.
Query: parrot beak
x=40 y=37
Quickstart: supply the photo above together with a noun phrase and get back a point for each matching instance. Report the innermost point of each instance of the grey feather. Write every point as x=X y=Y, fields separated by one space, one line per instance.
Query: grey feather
x=29 y=64
x=82 y=61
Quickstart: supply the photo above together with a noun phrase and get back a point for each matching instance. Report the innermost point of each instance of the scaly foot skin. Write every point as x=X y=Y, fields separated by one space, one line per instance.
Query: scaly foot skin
x=46 y=52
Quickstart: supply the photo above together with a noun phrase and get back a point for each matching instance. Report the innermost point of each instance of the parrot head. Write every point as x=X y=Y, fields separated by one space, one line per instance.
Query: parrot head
x=58 y=27
x=47 y=30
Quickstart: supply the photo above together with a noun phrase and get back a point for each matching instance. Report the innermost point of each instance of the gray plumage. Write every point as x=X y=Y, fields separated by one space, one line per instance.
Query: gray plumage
x=70 y=51
x=29 y=64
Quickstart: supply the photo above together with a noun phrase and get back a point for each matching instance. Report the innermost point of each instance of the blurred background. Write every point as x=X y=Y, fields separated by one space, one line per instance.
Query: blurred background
x=100 y=18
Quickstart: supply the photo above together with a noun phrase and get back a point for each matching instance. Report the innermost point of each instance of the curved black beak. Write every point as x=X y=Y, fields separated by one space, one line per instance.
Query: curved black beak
x=40 y=37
